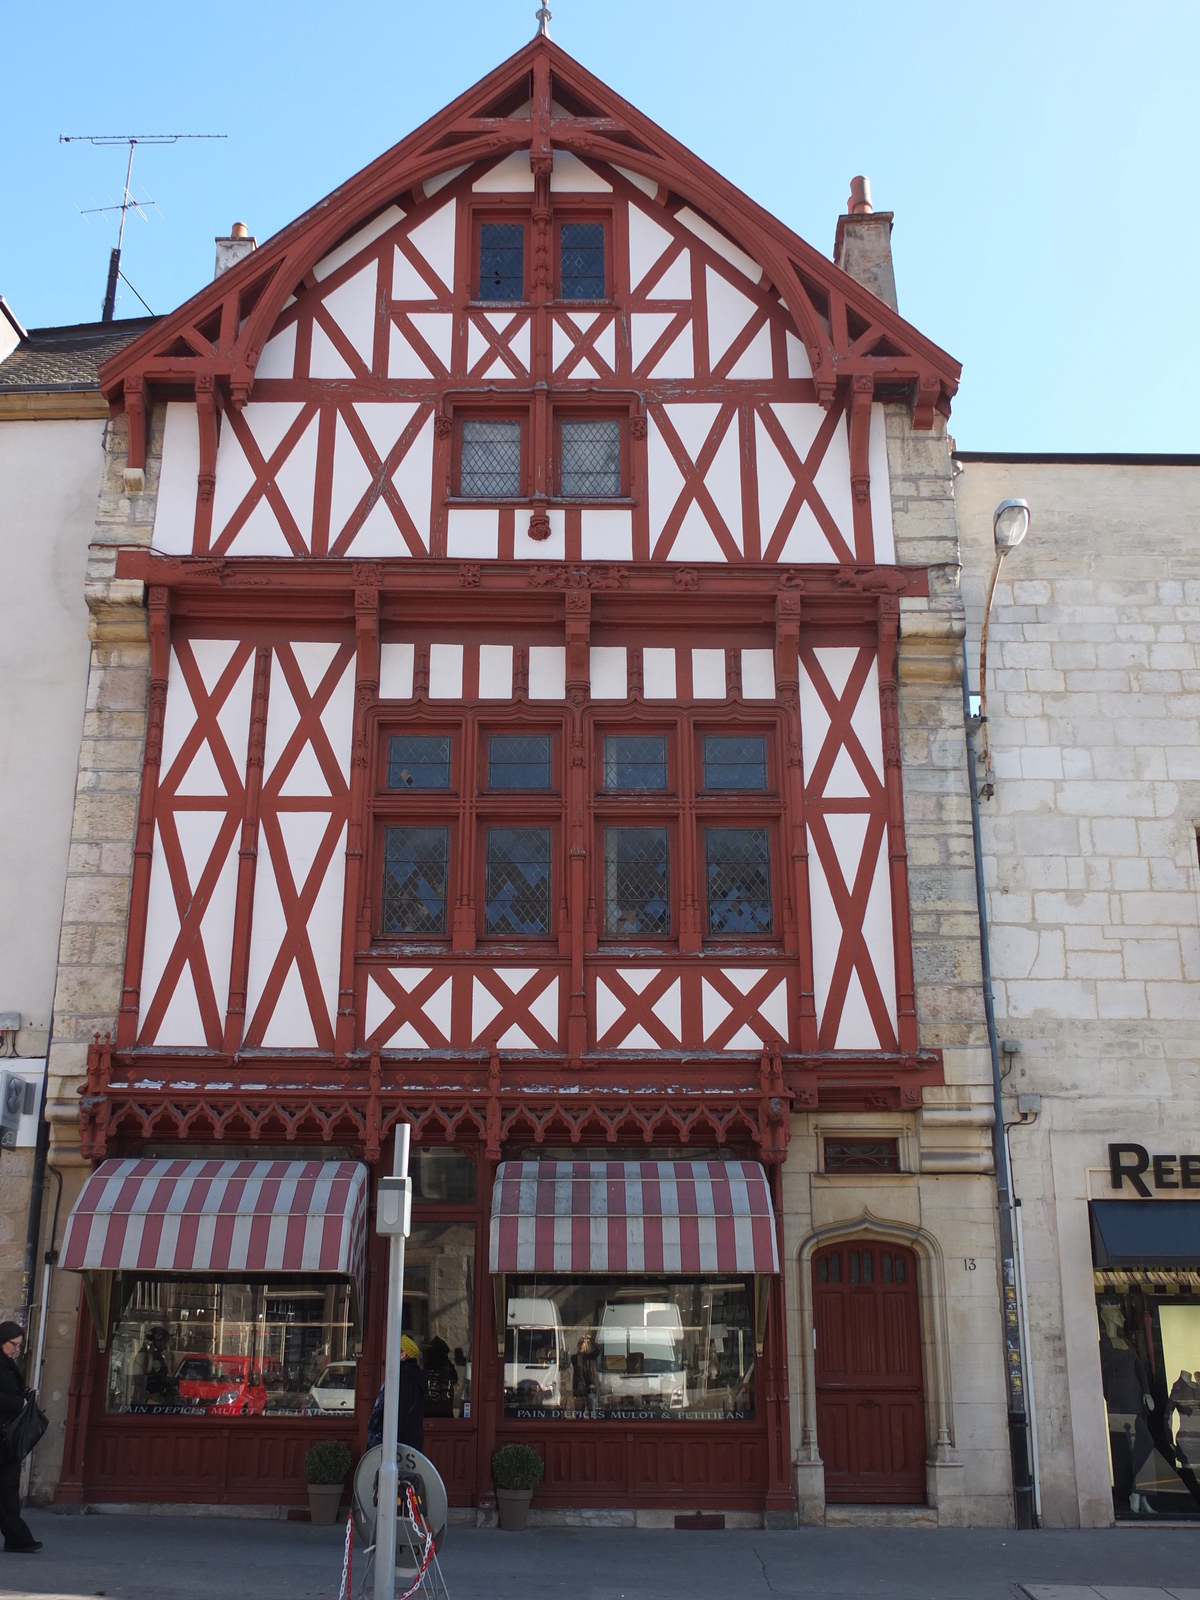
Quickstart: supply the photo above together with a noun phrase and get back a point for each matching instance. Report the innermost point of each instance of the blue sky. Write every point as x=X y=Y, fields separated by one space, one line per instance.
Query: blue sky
x=1040 y=159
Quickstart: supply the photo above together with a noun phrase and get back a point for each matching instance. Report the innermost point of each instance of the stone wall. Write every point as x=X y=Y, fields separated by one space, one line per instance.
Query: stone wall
x=1093 y=878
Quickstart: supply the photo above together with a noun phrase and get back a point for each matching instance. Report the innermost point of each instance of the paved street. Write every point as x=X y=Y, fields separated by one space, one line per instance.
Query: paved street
x=186 y=1558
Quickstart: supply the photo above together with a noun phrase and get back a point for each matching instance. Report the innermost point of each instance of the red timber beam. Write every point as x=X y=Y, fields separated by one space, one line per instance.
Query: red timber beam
x=239 y=964
x=787 y=689
x=889 y=699
x=366 y=694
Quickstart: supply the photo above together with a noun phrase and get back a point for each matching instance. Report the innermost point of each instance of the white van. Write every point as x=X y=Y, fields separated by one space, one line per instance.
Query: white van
x=536 y=1365
x=641 y=1353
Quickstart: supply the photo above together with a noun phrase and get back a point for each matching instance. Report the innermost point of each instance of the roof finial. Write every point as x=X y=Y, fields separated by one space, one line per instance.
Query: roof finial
x=543 y=15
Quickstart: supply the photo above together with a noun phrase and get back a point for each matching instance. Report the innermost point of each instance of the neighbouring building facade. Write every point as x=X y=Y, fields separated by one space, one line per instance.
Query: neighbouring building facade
x=1093 y=892
x=525 y=702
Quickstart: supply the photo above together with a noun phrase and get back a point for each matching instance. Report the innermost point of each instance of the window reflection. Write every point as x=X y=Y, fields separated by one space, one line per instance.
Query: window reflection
x=439 y=1287
x=622 y=1349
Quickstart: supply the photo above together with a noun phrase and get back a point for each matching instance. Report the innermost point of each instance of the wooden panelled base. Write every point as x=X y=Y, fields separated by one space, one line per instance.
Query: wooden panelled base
x=674 y=1464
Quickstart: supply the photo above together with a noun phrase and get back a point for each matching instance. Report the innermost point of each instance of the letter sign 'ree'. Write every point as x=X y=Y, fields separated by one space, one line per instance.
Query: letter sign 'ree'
x=1119 y=1169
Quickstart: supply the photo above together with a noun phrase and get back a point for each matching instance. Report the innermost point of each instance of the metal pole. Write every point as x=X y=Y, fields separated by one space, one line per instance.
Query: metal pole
x=385 y=1520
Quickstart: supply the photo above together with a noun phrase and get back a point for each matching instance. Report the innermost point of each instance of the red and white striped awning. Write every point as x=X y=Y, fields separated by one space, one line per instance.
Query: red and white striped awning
x=220 y=1216
x=632 y=1216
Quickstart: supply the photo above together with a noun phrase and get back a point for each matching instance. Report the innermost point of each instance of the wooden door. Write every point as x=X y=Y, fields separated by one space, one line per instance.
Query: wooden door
x=870 y=1397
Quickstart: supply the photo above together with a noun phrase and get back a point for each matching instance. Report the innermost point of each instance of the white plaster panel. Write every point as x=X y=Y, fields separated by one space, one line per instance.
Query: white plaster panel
x=472 y=533
x=182 y=1023
x=799 y=366
x=606 y=535
x=775 y=482
x=724 y=481
x=396 y=671
x=692 y=421
x=302 y=833
x=175 y=509
x=325 y=360
x=445 y=671
x=676 y=361
x=867 y=720
x=296 y=479
x=608 y=672
x=676 y=281
x=432 y=185
x=378 y=1008
x=832 y=482
x=758 y=674
x=729 y=310
x=414 y=480
x=648 y=186
x=513 y=175
x=325 y=927
x=437 y=330
x=352 y=307
x=714 y=1008
x=608 y=1008
x=552 y=549
x=485 y=1008
x=162 y=926
x=658 y=672
x=668 y=1009
x=437 y=1008
x=856 y=1031
x=407 y=282
x=645 y=329
x=349 y=248
x=881 y=488
x=545 y=1008
x=337 y=719
x=708 y=674
x=696 y=540
x=351 y=479
x=755 y=360
x=268 y=925
x=877 y=929
x=179 y=716
x=235 y=477
x=291 y=1025
x=774 y=1009
x=202 y=776
x=826 y=932
x=434 y=239
x=403 y=359
x=282 y=717
x=573 y=176
x=718 y=243
x=495 y=671
x=547 y=672
x=647 y=241
x=664 y=479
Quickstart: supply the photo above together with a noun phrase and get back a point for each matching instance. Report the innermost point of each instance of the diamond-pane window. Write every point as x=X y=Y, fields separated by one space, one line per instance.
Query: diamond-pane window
x=419 y=761
x=517 y=890
x=591 y=458
x=635 y=761
x=519 y=761
x=735 y=761
x=637 y=882
x=415 y=864
x=501 y=261
x=491 y=459
x=581 y=261
x=738 y=871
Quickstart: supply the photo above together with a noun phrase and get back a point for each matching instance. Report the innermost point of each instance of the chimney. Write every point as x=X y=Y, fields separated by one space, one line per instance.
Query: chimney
x=231 y=250
x=863 y=245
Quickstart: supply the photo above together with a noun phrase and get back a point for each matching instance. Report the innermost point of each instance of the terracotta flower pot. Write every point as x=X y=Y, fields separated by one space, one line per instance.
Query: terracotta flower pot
x=323 y=1502
x=513 y=1506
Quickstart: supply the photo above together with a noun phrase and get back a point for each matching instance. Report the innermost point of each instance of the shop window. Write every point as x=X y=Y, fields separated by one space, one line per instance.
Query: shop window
x=737 y=864
x=637 y=883
x=517 y=888
x=630 y=1349
x=635 y=761
x=520 y=761
x=502 y=261
x=735 y=761
x=862 y=1155
x=415 y=869
x=251 y=1348
x=1149 y=1330
x=439 y=1286
x=490 y=460
x=581 y=261
x=590 y=458
x=419 y=761
x=445 y=1177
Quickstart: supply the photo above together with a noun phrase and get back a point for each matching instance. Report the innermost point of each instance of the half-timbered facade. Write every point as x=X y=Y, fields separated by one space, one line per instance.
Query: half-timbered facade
x=546 y=563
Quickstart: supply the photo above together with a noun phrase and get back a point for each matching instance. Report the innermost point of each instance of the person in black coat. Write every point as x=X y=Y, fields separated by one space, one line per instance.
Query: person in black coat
x=413 y=1389
x=18 y=1539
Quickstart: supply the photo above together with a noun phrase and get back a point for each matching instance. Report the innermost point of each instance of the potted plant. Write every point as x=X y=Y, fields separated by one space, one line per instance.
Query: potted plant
x=517 y=1470
x=325 y=1468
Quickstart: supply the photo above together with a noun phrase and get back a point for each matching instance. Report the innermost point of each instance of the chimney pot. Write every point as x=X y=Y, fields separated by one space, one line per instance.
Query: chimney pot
x=859 y=203
x=239 y=231
x=234 y=247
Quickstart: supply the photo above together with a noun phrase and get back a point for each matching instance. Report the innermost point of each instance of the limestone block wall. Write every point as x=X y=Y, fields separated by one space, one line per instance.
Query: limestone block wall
x=1093 y=877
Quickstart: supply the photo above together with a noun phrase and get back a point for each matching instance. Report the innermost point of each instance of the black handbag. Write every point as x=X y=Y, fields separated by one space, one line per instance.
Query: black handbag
x=22 y=1432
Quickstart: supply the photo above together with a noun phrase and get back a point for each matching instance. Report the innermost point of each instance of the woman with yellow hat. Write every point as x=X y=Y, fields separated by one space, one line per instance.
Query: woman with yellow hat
x=413 y=1389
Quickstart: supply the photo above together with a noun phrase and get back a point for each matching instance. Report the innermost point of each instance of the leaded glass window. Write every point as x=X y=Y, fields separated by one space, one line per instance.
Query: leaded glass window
x=637 y=882
x=635 y=761
x=491 y=459
x=415 y=865
x=501 y=261
x=738 y=871
x=735 y=761
x=517 y=890
x=419 y=761
x=581 y=261
x=519 y=761
x=591 y=458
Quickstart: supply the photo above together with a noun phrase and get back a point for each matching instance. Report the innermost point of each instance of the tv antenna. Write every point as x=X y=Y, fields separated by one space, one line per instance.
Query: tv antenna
x=128 y=203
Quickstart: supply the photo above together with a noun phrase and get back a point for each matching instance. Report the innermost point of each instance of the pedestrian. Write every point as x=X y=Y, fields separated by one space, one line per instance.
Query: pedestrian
x=413 y=1389
x=18 y=1540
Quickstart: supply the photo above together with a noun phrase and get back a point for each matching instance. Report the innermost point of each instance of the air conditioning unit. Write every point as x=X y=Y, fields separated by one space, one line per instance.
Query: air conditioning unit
x=18 y=1098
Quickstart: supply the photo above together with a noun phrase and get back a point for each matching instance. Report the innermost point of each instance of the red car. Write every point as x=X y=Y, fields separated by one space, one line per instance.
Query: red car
x=226 y=1386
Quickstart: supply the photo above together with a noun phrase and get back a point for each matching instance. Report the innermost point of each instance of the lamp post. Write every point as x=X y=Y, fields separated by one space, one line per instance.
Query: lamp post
x=1010 y=524
x=393 y=1214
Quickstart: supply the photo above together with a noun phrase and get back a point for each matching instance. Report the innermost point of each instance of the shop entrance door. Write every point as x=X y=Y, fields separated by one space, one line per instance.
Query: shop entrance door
x=870 y=1397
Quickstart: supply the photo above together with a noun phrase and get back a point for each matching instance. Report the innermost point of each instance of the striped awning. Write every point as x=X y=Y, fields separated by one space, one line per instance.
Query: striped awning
x=187 y=1217
x=632 y=1217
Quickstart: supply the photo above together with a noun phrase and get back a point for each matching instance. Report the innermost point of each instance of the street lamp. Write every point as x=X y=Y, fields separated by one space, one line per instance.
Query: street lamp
x=1010 y=524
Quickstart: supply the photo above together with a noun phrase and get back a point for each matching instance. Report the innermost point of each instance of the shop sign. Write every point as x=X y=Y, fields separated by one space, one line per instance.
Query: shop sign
x=1128 y=1163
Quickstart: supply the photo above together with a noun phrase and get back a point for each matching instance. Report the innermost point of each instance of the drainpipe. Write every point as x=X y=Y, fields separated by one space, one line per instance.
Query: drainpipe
x=1014 y=1374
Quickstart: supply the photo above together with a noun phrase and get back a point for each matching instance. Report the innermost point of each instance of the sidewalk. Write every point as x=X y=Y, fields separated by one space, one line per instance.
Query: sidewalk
x=204 y=1558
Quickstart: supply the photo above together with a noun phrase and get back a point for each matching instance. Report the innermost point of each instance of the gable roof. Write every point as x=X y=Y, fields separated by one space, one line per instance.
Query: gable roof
x=541 y=99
